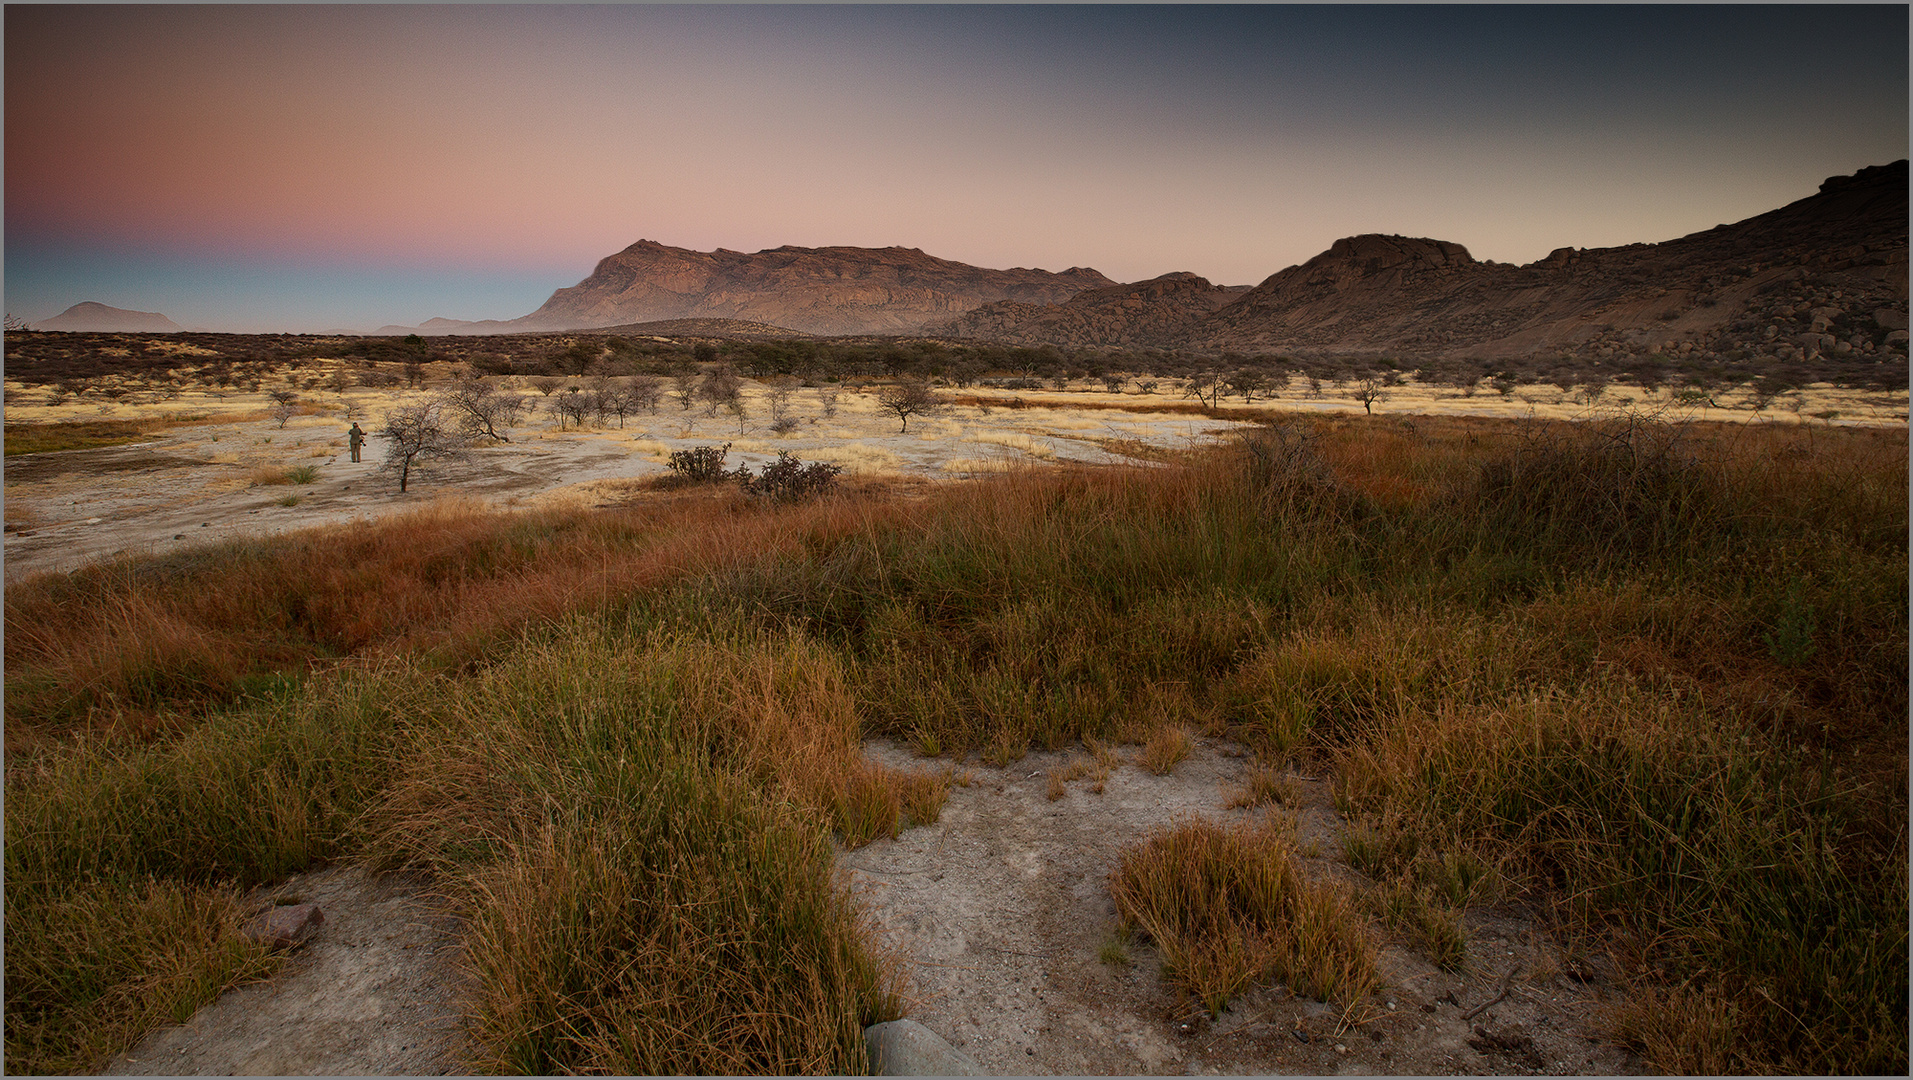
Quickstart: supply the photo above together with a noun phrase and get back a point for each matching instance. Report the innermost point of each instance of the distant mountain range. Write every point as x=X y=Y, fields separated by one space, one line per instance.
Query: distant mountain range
x=1721 y=292
x=1824 y=275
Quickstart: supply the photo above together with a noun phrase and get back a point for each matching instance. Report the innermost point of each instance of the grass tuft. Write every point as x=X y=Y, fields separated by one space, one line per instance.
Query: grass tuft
x=1165 y=750
x=1230 y=907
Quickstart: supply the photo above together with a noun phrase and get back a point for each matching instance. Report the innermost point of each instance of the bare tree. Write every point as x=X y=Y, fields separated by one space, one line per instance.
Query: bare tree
x=573 y=403
x=476 y=408
x=778 y=397
x=644 y=392
x=285 y=406
x=720 y=387
x=621 y=400
x=908 y=398
x=827 y=399
x=1248 y=382
x=418 y=434
x=1206 y=387
x=684 y=388
x=1368 y=391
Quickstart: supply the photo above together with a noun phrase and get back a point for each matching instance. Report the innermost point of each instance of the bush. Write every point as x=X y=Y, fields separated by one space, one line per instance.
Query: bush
x=788 y=479
x=699 y=464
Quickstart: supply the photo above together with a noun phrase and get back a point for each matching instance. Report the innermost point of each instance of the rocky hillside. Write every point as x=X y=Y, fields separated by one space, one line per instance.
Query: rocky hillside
x=1841 y=252
x=99 y=318
x=1159 y=312
x=1824 y=276
x=834 y=290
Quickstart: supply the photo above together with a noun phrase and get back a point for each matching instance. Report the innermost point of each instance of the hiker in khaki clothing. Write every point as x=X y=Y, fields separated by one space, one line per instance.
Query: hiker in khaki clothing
x=357 y=438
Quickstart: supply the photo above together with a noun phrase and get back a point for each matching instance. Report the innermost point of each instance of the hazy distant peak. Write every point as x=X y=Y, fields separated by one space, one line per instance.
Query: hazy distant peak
x=90 y=315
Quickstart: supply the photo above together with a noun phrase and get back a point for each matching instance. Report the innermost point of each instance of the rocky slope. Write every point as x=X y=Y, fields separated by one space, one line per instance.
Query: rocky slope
x=1159 y=312
x=833 y=290
x=1842 y=252
x=1824 y=276
x=97 y=317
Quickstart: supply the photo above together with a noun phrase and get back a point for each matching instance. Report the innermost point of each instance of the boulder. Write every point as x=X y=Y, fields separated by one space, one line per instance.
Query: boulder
x=285 y=927
x=907 y=1048
x=1890 y=318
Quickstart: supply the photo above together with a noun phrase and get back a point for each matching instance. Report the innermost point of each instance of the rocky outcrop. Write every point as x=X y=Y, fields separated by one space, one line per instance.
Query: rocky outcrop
x=834 y=290
x=99 y=318
x=1159 y=312
x=1832 y=261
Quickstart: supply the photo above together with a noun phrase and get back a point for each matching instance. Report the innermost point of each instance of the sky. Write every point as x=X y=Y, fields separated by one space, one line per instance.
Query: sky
x=288 y=168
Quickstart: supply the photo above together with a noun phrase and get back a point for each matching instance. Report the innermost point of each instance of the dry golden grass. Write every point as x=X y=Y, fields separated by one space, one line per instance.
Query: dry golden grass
x=1228 y=907
x=1519 y=692
x=1165 y=749
x=1264 y=786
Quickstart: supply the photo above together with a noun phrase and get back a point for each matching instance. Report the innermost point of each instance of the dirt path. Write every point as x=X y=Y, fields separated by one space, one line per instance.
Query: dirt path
x=373 y=993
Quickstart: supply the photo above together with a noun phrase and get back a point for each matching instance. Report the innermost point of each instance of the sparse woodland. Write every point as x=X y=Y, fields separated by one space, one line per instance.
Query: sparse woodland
x=1646 y=680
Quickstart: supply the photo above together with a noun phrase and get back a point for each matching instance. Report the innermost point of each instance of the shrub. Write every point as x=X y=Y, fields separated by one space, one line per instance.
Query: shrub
x=788 y=479
x=699 y=464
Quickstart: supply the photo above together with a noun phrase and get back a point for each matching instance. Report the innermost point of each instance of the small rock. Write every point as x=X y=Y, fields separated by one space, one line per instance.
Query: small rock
x=907 y=1048
x=285 y=927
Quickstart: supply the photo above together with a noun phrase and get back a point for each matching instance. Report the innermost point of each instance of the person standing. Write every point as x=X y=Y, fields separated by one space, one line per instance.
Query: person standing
x=357 y=439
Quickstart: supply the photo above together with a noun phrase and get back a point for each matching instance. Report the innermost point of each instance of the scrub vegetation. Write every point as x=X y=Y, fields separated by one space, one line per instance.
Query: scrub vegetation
x=1647 y=681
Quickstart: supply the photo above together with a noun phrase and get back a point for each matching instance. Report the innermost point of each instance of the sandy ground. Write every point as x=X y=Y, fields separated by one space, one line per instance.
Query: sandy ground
x=996 y=913
x=372 y=993
x=999 y=910
x=202 y=481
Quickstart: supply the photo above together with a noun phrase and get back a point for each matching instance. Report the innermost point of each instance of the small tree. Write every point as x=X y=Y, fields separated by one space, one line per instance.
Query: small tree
x=285 y=406
x=418 y=434
x=1248 y=382
x=1206 y=387
x=644 y=392
x=572 y=403
x=1368 y=391
x=684 y=388
x=620 y=400
x=476 y=409
x=719 y=388
x=908 y=398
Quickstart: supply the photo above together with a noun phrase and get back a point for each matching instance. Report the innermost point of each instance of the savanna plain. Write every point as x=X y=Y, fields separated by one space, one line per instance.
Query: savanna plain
x=658 y=717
